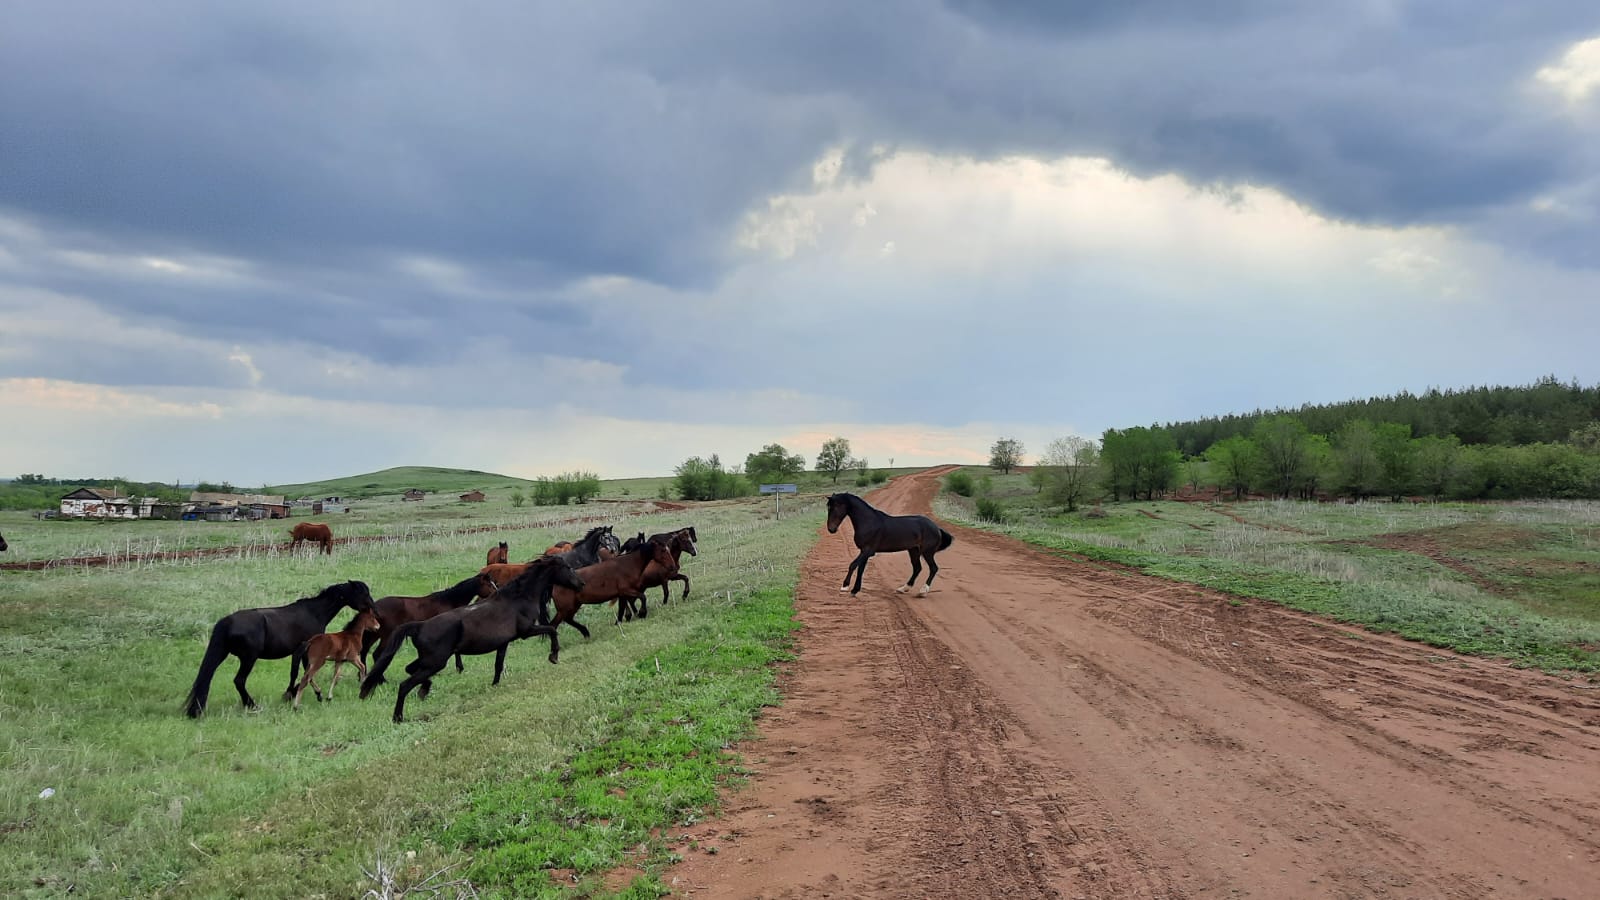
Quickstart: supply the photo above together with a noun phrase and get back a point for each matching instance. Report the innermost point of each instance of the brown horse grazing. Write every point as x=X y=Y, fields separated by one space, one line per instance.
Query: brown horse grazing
x=270 y=633
x=312 y=531
x=488 y=627
x=612 y=579
x=396 y=611
x=341 y=647
x=498 y=554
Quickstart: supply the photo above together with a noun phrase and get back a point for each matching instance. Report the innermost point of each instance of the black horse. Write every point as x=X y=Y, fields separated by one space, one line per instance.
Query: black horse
x=586 y=552
x=878 y=532
x=2 y=543
x=271 y=633
x=514 y=612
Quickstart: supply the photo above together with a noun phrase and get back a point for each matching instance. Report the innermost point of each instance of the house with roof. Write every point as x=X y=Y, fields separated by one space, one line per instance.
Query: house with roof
x=97 y=503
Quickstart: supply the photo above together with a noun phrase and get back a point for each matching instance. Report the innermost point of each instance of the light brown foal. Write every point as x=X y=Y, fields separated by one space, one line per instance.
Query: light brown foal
x=341 y=647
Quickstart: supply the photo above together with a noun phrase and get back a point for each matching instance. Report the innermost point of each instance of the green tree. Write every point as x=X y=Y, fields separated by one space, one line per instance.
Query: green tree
x=1139 y=461
x=1281 y=442
x=1396 y=459
x=705 y=479
x=773 y=464
x=1439 y=464
x=1356 y=458
x=1005 y=455
x=1234 y=463
x=1067 y=470
x=517 y=499
x=835 y=457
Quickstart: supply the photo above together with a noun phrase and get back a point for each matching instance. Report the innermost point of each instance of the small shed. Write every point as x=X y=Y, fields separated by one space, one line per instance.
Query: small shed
x=412 y=494
x=93 y=502
x=473 y=497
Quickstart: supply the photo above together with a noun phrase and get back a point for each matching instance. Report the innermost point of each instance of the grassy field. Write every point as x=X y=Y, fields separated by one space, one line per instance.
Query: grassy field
x=542 y=786
x=1519 y=580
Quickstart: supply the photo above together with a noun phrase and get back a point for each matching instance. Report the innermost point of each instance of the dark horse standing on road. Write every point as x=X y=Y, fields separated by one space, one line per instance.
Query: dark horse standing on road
x=878 y=532
x=513 y=613
x=271 y=633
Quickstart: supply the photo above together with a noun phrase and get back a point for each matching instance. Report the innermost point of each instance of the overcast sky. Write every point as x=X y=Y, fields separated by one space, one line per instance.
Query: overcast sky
x=286 y=241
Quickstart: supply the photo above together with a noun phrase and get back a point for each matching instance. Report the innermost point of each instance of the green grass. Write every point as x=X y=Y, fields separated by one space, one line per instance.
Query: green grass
x=1519 y=581
x=94 y=665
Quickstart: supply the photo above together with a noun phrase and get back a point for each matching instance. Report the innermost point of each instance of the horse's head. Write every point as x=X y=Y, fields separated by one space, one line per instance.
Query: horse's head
x=486 y=586
x=356 y=595
x=633 y=543
x=369 y=621
x=683 y=540
x=608 y=541
x=838 y=508
x=661 y=553
x=566 y=576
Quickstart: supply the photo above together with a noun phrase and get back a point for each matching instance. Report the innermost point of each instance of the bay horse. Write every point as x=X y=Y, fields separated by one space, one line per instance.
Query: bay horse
x=679 y=542
x=620 y=579
x=312 y=531
x=498 y=554
x=514 y=612
x=396 y=611
x=341 y=647
x=270 y=633
x=878 y=532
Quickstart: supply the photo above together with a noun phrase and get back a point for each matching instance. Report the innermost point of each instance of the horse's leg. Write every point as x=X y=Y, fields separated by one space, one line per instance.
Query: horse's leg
x=644 y=605
x=555 y=643
x=368 y=638
x=306 y=679
x=860 y=571
x=857 y=566
x=400 y=698
x=459 y=667
x=335 y=680
x=499 y=663
x=933 y=569
x=246 y=663
x=916 y=568
x=679 y=577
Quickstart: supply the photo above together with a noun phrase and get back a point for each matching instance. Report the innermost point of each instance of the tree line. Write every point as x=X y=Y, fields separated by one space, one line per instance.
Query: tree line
x=707 y=478
x=1545 y=412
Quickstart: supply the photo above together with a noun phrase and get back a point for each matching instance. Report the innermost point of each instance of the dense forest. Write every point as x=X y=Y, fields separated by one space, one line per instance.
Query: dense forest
x=1536 y=441
x=1544 y=412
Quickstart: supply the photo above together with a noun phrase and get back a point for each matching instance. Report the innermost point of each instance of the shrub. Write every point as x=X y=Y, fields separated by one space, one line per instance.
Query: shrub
x=880 y=476
x=517 y=499
x=991 y=510
x=862 y=481
x=959 y=482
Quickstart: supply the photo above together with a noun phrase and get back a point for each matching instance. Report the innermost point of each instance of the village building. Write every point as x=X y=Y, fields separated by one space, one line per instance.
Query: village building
x=252 y=506
x=97 y=503
x=473 y=497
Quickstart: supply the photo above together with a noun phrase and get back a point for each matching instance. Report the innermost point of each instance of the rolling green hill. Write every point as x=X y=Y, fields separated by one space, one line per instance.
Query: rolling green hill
x=398 y=479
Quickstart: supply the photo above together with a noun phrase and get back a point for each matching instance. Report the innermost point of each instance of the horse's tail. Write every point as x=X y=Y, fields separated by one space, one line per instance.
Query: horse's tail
x=391 y=646
x=216 y=652
x=945 y=539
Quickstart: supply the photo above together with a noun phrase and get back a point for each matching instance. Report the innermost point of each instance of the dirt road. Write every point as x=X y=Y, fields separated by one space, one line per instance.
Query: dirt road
x=1038 y=727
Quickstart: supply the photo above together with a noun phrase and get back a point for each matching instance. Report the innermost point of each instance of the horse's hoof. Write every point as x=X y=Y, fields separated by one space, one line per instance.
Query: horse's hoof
x=924 y=591
x=844 y=590
x=902 y=589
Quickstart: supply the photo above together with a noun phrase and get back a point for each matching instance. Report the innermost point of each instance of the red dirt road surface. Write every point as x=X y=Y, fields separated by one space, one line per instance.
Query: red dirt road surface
x=1040 y=727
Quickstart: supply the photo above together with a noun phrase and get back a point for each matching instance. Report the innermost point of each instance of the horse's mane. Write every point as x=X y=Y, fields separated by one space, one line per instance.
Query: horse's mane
x=335 y=590
x=537 y=570
x=453 y=593
x=594 y=534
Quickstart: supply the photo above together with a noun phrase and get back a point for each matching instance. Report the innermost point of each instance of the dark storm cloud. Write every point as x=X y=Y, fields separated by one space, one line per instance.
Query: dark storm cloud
x=536 y=145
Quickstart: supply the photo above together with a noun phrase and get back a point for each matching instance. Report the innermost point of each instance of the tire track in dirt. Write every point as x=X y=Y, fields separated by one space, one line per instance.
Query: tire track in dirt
x=1041 y=727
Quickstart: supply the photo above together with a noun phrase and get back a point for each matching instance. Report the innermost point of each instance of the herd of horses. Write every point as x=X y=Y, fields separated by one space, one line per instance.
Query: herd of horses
x=484 y=613
x=505 y=602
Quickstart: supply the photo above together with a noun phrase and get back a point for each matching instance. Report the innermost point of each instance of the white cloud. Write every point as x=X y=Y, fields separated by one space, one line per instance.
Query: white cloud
x=1576 y=75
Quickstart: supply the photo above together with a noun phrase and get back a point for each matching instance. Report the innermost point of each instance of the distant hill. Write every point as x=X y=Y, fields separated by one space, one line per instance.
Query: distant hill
x=398 y=479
